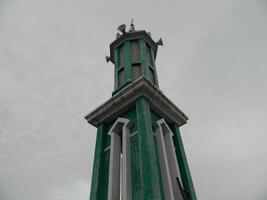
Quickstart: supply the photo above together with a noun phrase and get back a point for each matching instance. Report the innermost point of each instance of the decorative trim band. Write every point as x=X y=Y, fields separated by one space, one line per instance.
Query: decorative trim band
x=126 y=98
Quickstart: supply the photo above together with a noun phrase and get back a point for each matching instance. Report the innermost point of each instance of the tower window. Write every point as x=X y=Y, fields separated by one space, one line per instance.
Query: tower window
x=135 y=51
x=121 y=76
x=151 y=75
x=137 y=72
x=149 y=55
x=121 y=57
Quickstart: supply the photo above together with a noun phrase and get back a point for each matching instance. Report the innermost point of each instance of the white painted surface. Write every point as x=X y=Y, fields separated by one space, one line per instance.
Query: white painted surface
x=120 y=186
x=168 y=162
x=114 y=167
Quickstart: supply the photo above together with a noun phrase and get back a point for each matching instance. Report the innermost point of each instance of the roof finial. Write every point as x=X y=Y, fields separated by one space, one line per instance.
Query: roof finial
x=132 y=29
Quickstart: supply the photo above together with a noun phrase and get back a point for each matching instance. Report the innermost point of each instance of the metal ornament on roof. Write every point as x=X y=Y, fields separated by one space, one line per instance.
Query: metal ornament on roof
x=132 y=34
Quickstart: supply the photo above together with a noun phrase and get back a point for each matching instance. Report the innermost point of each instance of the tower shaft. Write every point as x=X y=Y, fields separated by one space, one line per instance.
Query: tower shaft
x=139 y=154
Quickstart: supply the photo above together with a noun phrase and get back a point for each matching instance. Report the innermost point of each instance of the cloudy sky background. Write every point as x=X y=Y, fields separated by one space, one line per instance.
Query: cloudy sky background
x=52 y=73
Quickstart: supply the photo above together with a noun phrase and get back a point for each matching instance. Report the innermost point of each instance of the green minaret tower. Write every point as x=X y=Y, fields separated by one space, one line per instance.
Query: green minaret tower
x=139 y=152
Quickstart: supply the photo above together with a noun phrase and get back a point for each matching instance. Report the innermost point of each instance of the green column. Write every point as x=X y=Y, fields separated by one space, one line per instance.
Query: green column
x=143 y=59
x=128 y=61
x=96 y=176
x=116 y=63
x=148 y=163
x=183 y=164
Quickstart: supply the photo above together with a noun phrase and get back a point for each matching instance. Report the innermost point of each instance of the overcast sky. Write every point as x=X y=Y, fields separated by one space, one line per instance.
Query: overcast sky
x=213 y=66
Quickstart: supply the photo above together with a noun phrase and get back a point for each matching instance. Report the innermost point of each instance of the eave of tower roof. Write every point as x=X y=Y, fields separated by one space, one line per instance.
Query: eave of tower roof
x=122 y=101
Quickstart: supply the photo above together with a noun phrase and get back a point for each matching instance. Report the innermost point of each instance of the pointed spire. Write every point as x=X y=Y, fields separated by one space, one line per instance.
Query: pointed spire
x=132 y=29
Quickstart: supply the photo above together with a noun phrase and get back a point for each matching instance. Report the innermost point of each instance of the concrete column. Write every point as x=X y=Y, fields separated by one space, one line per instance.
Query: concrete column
x=120 y=131
x=168 y=162
x=148 y=162
x=183 y=164
x=96 y=176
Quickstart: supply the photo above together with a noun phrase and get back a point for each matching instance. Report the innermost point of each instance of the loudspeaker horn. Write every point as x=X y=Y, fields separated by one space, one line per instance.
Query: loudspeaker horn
x=159 y=42
x=122 y=28
x=107 y=58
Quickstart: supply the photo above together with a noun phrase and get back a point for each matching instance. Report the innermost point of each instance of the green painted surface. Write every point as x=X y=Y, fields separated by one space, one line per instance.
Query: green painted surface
x=154 y=117
x=148 y=161
x=103 y=188
x=99 y=182
x=135 y=169
x=98 y=160
x=158 y=168
x=142 y=45
x=183 y=165
x=145 y=166
x=131 y=115
x=154 y=66
x=181 y=158
x=107 y=137
x=116 y=61
x=146 y=60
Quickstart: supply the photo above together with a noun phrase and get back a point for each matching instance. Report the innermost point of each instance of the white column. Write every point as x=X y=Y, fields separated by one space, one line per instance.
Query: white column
x=126 y=163
x=164 y=165
x=114 y=167
x=168 y=162
x=120 y=131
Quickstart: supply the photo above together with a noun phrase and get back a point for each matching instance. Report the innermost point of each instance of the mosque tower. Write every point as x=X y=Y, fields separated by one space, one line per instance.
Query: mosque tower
x=139 y=153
